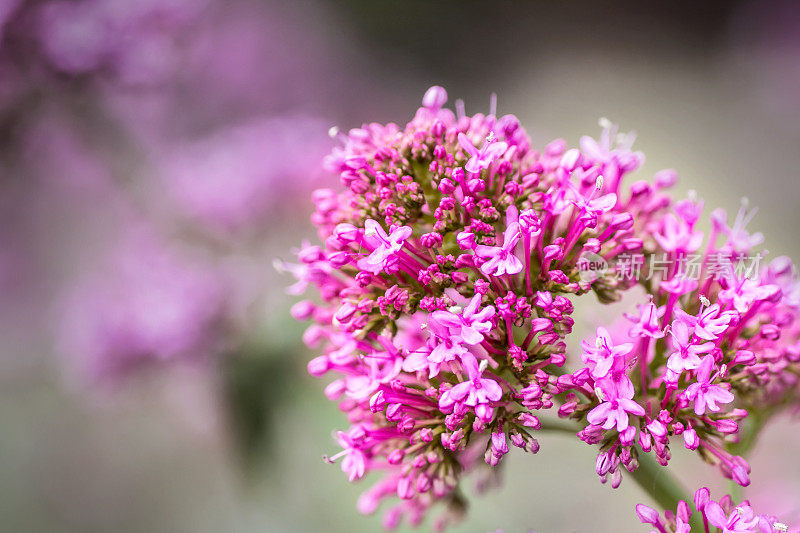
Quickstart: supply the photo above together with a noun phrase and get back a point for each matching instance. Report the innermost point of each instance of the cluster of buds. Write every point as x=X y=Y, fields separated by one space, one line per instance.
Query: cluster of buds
x=447 y=274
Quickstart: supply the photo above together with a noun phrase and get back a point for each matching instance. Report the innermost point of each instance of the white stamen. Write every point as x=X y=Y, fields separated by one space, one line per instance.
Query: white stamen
x=483 y=366
x=600 y=394
x=705 y=301
x=333 y=132
x=598 y=343
x=598 y=184
x=277 y=264
x=332 y=460
x=491 y=137
x=604 y=123
x=692 y=194
x=780 y=526
x=455 y=309
x=745 y=201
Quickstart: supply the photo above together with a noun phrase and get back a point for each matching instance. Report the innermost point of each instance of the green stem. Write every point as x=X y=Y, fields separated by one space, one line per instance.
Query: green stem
x=663 y=489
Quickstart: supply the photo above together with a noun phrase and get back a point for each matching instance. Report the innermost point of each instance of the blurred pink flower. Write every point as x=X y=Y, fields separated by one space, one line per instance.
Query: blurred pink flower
x=138 y=42
x=153 y=304
x=239 y=177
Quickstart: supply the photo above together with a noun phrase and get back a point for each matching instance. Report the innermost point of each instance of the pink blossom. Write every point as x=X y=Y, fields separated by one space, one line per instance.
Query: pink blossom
x=470 y=325
x=481 y=159
x=354 y=463
x=647 y=322
x=500 y=260
x=615 y=408
x=739 y=239
x=740 y=520
x=709 y=323
x=689 y=210
x=380 y=368
x=703 y=393
x=592 y=208
x=384 y=247
x=612 y=150
x=742 y=295
x=442 y=348
x=687 y=355
x=602 y=353
x=676 y=236
x=679 y=285
x=473 y=392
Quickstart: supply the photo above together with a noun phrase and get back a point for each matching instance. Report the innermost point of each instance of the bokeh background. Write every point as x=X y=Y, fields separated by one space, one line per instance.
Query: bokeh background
x=156 y=157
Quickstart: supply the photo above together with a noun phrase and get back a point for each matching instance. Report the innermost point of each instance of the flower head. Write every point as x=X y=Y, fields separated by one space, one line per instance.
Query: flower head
x=447 y=277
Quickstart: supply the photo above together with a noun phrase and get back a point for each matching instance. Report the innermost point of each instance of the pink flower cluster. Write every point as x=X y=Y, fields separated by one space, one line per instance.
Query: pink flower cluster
x=686 y=366
x=447 y=272
x=722 y=516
